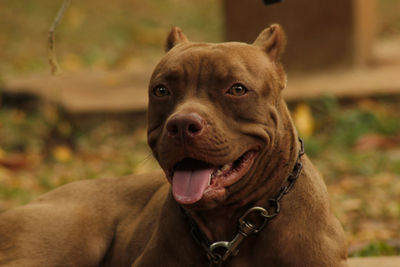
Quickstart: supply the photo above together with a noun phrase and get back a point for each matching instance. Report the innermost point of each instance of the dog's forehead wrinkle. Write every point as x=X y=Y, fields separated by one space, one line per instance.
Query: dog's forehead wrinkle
x=214 y=55
x=171 y=72
x=199 y=65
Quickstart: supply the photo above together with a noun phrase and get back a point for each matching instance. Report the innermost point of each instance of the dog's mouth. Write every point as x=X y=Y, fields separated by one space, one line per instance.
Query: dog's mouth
x=190 y=177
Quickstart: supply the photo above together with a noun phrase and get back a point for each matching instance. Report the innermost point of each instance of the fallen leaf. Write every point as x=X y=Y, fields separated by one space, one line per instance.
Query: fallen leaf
x=376 y=141
x=15 y=162
x=351 y=204
x=304 y=120
x=62 y=153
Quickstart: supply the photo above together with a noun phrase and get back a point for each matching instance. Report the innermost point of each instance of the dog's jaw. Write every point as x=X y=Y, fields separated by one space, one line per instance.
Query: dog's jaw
x=194 y=180
x=221 y=182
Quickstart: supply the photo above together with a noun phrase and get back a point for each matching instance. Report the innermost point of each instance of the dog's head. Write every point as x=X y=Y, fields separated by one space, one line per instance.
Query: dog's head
x=214 y=115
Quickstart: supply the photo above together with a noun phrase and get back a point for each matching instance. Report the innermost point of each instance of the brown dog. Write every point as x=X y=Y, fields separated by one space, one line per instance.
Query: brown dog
x=222 y=133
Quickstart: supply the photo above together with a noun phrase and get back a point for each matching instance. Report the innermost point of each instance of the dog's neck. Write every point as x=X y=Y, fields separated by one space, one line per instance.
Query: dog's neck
x=221 y=223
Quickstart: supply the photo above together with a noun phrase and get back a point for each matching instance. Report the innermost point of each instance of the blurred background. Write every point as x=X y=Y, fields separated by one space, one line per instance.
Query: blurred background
x=343 y=61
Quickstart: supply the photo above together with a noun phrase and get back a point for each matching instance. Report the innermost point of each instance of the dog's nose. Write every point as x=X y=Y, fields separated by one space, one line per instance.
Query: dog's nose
x=185 y=125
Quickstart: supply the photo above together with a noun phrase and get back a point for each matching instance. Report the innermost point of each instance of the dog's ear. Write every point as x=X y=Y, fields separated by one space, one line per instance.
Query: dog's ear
x=175 y=37
x=272 y=40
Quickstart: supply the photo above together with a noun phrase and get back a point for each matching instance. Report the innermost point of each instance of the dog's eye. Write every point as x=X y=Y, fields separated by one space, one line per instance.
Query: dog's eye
x=237 y=90
x=160 y=91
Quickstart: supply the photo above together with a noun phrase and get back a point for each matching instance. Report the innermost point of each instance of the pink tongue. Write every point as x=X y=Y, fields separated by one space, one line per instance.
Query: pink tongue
x=188 y=185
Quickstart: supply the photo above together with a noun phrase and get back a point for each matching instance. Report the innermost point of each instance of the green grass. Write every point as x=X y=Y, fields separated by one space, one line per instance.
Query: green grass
x=99 y=34
x=378 y=248
x=339 y=128
x=346 y=125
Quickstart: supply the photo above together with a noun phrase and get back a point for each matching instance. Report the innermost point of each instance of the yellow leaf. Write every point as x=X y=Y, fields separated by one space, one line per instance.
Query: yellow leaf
x=62 y=153
x=304 y=120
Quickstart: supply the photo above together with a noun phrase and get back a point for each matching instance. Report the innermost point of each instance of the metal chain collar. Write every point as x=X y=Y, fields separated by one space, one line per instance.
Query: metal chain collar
x=219 y=252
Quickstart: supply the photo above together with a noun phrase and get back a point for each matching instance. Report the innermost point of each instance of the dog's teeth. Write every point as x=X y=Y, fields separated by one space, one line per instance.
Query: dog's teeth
x=225 y=167
x=209 y=180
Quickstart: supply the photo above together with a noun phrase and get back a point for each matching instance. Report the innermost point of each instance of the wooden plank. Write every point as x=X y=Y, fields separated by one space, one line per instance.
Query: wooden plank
x=115 y=92
x=88 y=91
x=383 y=80
x=104 y=91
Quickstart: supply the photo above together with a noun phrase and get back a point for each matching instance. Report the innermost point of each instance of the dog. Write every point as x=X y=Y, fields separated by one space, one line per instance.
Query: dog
x=235 y=188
